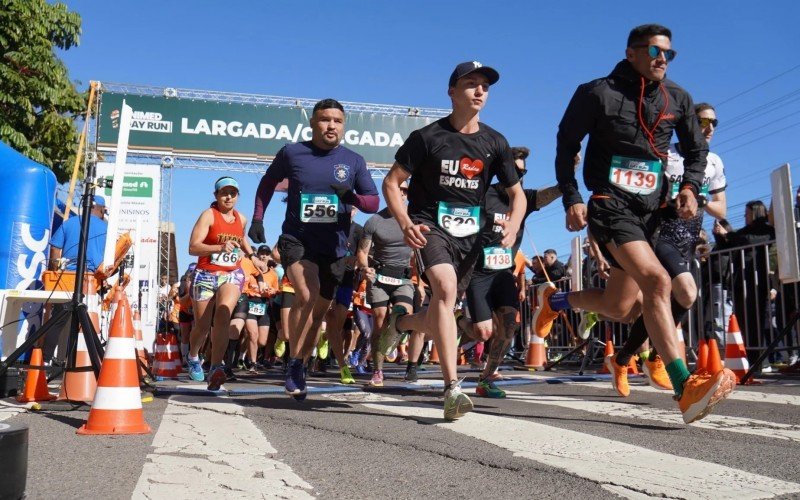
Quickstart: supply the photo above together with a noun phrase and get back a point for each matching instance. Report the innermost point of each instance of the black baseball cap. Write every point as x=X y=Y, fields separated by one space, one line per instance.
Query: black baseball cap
x=468 y=67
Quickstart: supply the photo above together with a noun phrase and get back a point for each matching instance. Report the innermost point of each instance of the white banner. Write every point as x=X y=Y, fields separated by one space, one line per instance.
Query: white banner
x=139 y=206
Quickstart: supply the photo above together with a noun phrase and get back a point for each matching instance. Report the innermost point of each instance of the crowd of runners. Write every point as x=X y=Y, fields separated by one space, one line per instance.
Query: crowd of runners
x=450 y=236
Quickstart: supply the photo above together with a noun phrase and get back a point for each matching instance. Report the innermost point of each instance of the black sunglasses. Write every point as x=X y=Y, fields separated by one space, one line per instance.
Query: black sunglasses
x=705 y=122
x=654 y=51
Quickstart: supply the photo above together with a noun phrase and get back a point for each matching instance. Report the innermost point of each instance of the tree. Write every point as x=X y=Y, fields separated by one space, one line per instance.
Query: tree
x=38 y=102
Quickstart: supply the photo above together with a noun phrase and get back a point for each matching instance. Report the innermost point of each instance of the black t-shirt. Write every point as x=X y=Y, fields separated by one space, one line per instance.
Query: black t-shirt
x=353 y=237
x=454 y=168
x=497 y=208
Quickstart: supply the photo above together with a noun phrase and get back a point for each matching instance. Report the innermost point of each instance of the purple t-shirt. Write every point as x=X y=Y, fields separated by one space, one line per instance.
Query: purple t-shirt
x=311 y=171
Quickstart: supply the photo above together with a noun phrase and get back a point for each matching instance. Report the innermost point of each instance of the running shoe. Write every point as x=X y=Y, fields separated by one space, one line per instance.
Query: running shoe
x=196 y=370
x=544 y=316
x=216 y=377
x=377 y=379
x=703 y=391
x=656 y=374
x=619 y=376
x=389 y=334
x=295 y=378
x=588 y=320
x=347 y=377
x=456 y=403
x=322 y=347
x=229 y=376
x=354 y=359
x=280 y=348
x=488 y=389
x=411 y=374
x=361 y=369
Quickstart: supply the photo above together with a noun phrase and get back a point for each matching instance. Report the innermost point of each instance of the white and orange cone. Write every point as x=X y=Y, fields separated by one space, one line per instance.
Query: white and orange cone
x=117 y=405
x=735 y=353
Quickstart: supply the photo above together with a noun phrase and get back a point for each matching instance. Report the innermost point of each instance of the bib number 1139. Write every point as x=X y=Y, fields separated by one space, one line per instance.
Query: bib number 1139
x=634 y=175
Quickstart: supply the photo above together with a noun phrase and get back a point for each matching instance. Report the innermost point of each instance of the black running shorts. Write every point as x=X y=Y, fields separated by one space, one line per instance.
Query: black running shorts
x=331 y=269
x=487 y=292
x=612 y=221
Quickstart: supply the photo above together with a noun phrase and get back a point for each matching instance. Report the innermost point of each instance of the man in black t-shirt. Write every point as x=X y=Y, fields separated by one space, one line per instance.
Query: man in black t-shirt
x=451 y=163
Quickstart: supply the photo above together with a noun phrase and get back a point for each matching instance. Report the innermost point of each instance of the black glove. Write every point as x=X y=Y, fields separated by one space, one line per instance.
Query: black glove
x=345 y=194
x=256 y=232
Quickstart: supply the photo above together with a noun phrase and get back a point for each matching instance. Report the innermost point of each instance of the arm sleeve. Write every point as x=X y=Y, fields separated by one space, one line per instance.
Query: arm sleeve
x=276 y=172
x=693 y=146
x=367 y=199
x=577 y=121
x=412 y=153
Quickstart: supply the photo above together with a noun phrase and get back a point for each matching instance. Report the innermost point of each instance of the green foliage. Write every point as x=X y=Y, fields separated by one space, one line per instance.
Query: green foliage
x=38 y=102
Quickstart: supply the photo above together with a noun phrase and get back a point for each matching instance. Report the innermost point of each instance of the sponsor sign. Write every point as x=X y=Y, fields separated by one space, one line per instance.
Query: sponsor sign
x=240 y=131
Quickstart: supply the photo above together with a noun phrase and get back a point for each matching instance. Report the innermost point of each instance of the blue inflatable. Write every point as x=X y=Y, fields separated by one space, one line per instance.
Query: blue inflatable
x=28 y=192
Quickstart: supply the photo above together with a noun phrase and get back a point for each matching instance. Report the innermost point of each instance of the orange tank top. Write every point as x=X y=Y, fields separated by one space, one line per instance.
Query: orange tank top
x=220 y=232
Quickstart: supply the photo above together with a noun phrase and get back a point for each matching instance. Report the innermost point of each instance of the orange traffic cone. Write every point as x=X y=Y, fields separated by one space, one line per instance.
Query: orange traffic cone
x=702 y=356
x=609 y=350
x=141 y=354
x=714 y=362
x=434 y=355
x=536 y=356
x=81 y=385
x=735 y=353
x=36 y=382
x=175 y=353
x=117 y=406
x=163 y=365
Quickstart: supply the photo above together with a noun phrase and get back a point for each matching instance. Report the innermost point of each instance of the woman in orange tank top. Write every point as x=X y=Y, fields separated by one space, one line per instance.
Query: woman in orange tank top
x=218 y=240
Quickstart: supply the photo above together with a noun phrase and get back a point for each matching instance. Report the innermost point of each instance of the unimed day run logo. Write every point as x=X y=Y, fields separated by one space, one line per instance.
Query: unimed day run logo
x=135 y=187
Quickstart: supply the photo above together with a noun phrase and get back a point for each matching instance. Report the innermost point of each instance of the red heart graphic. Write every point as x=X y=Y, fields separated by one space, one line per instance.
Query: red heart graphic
x=470 y=168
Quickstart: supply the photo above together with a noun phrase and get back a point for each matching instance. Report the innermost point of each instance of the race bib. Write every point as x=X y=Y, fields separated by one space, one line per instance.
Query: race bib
x=388 y=280
x=459 y=221
x=225 y=258
x=634 y=175
x=319 y=208
x=497 y=258
x=257 y=308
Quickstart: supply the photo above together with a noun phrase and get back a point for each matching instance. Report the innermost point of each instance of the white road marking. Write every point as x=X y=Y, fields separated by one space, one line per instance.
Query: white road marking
x=737 y=394
x=8 y=409
x=208 y=448
x=621 y=468
x=625 y=410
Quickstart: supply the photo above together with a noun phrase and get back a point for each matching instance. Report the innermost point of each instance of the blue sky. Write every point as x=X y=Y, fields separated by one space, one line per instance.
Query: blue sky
x=403 y=52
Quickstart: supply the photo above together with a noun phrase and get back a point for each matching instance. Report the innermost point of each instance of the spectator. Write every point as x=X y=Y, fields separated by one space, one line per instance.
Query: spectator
x=555 y=268
x=751 y=288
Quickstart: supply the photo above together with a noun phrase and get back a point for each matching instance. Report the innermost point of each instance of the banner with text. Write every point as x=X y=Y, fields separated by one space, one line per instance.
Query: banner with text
x=140 y=201
x=240 y=131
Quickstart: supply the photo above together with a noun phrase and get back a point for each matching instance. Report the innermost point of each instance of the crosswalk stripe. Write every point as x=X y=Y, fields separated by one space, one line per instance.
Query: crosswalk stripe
x=209 y=448
x=622 y=468
x=626 y=410
x=737 y=395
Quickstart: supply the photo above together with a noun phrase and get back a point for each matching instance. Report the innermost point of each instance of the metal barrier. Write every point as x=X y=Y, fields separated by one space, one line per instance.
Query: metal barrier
x=737 y=280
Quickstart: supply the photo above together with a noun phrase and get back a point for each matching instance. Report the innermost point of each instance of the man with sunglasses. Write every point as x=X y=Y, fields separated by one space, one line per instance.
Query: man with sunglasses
x=675 y=249
x=452 y=160
x=492 y=293
x=630 y=117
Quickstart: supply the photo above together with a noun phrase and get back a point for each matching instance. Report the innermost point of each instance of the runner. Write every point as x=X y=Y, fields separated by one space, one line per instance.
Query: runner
x=257 y=323
x=630 y=117
x=388 y=276
x=493 y=292
x=451 y=163
x=675 y=249
x=218 y=240
x=325 y=180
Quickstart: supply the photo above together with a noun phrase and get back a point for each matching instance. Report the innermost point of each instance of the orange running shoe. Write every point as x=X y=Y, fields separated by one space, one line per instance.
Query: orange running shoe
x=703 y=391
x=619 y=376
x=656 y=374
x=544 y=316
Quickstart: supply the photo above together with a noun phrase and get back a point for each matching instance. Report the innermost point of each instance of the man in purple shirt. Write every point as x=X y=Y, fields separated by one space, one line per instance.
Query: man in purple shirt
x=325 y=180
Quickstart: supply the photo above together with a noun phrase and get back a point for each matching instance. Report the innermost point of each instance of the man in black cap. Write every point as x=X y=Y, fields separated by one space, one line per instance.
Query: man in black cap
x=451 y=163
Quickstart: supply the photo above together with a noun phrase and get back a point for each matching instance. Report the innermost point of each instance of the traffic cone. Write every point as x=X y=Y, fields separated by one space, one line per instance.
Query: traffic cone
x=536 y=356
x=36 y=382
x=163 y=365
x=681 y=343
x=702 y=356
x=609 y=350
x=735 y=353
x=714 y=362
x=174 y=352
x=141 y=354
x=434 y=358
x=117 y=406
x=81 y=385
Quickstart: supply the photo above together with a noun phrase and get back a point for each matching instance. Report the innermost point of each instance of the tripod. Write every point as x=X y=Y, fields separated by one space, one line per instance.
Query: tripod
x=74 y=311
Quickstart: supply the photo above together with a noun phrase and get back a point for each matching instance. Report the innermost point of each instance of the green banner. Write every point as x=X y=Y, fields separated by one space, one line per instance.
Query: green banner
x=240 y=131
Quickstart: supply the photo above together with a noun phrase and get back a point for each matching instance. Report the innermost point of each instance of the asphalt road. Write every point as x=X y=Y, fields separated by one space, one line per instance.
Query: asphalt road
x=554 y=436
